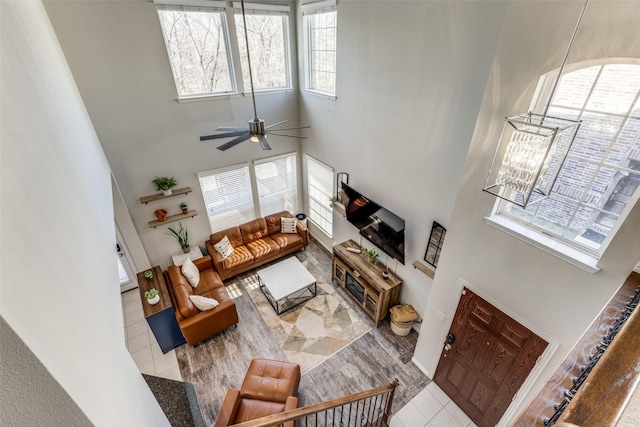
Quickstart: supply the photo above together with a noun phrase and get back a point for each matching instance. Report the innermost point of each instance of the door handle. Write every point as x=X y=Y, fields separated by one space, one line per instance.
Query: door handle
x=447 y=347
x=451 y=338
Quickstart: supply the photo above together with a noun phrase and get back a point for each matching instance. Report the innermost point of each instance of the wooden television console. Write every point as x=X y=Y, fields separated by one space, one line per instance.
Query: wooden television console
x=363 y=281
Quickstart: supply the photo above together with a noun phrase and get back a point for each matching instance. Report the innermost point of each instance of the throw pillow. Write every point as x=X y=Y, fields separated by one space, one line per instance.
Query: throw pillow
x=288 y=225
x=203 y=303
x=191 y=272
x=223 y=247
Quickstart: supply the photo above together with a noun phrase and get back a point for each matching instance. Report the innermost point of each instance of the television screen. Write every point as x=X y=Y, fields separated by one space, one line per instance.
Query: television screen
x=378 y=225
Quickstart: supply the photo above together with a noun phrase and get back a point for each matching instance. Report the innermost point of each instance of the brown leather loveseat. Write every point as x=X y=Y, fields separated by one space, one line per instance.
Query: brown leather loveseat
x=269 y=387
x=196 y=325
x=255 y=243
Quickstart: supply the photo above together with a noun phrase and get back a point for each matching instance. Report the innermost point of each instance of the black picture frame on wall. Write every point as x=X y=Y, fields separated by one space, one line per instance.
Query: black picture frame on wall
x=434 y=246
x=340 y=178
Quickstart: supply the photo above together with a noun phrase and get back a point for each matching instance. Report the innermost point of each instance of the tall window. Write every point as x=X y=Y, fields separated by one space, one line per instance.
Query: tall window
x=236 y=194
x=277 y=182
x=598 y=183
x=227 y=196
x=320 y=24
x=268 y=46
x=197 y=45
x=319 y=193
x=201 y=44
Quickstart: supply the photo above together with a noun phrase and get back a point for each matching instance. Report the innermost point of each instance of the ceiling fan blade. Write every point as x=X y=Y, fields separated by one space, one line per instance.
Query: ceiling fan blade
x=277 y=124
x=299 y=127
x=232 y=129
x=289 y=136
x=263 y=142
x=234 y=141
x=224 y=135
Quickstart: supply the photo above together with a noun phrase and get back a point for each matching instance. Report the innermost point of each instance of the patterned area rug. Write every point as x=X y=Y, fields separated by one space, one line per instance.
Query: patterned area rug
x=315 y=330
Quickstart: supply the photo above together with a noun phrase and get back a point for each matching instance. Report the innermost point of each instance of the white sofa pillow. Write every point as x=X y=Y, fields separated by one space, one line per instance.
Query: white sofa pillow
x=288 y=225
x=191 y=272
x=223 y=247
x=203 y=303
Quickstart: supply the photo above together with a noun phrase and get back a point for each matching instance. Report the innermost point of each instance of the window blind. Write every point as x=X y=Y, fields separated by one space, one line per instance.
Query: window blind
x=277 y=183
x=319 y=192
x=227 y=196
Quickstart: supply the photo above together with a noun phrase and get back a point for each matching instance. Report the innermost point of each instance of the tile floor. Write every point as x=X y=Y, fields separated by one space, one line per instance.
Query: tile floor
x=430 y=408
x=142 y=343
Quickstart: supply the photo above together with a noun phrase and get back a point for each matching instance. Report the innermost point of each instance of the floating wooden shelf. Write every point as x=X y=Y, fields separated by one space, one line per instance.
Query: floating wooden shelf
x=429 y=271
x=339 y=207
x=160 y=196
x=173 y=218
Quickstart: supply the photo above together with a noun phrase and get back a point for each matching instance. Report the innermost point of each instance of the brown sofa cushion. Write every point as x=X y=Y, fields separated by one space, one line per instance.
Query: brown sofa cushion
x=251 y=409
x=263 y=248
x=233 y=234
x=239 y=257
x=270 y=380
x=284 y=240
x=254 y=230
x=274 y=225
x=181 y=292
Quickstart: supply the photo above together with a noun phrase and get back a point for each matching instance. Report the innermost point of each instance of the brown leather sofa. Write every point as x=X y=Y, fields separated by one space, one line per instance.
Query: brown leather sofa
x=255 y=243
x=197 y=326
x=269 y=387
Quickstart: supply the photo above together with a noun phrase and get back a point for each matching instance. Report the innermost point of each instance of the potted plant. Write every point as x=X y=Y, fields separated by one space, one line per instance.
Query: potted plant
x=164 y=184
x=161 y=214
x=185 y=209
x=333 y=200
x=148 y=274
x=183 y=237
x=152 y=296
x=371 y=254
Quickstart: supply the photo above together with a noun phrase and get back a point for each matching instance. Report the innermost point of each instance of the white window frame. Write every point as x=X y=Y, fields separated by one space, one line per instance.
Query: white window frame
x=308 y=10
x=324 y=201
x=287 y=199
x=228 y=12
x=577 y=254
x=266 y=9
x=220 y=219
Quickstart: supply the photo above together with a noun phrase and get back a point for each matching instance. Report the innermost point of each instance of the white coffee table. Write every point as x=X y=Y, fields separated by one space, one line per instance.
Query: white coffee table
x=287 y=284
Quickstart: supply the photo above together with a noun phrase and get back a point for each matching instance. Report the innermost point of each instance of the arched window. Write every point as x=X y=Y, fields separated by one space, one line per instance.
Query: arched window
x=598 y=183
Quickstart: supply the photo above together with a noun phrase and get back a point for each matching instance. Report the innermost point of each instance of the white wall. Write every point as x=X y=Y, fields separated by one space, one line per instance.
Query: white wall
x=411 y=76
x=554 y=298
x=118 y=58
x=59 y=280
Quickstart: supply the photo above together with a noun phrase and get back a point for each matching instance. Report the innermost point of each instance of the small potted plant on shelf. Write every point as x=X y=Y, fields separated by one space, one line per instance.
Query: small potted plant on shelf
x=184 y=207
x=183 y=237
x=148 y=274
x=161 y=214
x=371 y=254
x=333 y=200
x=152 y=296
x=164 y=184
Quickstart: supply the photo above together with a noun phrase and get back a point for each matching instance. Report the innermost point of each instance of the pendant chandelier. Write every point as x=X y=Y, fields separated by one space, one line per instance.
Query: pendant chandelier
x=531 y=150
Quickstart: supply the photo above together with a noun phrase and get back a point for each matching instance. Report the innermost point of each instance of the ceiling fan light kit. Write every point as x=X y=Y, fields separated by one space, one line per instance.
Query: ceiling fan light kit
x=531 y=150
x=256 y=132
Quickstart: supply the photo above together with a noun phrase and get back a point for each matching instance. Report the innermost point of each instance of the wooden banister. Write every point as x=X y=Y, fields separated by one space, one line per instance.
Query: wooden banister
x=604 y=395
x=294 y=414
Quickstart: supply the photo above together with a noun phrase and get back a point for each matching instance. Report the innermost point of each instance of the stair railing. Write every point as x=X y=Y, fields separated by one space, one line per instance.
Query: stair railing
x=370 y=408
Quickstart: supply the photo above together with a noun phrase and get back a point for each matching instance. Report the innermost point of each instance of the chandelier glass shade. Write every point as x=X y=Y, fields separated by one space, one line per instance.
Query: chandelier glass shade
x=531 y=149
x=530 y=152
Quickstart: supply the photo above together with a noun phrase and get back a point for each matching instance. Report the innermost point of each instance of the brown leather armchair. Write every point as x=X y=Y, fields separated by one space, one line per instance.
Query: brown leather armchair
x=269 y=387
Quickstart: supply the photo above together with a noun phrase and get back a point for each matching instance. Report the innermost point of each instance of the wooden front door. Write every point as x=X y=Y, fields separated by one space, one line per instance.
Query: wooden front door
x=486 y=359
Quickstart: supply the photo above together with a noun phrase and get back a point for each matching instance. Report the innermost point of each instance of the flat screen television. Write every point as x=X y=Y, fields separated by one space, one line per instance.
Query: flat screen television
x=381 y=227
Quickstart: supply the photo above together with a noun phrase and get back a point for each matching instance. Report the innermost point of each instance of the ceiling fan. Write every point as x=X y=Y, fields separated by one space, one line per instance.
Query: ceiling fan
x=256 y=131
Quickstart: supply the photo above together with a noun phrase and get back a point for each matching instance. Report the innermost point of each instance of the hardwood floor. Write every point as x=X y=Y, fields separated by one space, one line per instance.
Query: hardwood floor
x=373 y=360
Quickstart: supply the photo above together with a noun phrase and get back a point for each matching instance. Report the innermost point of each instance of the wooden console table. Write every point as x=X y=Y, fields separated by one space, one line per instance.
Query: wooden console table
x=160 y=316
x=363 y=281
